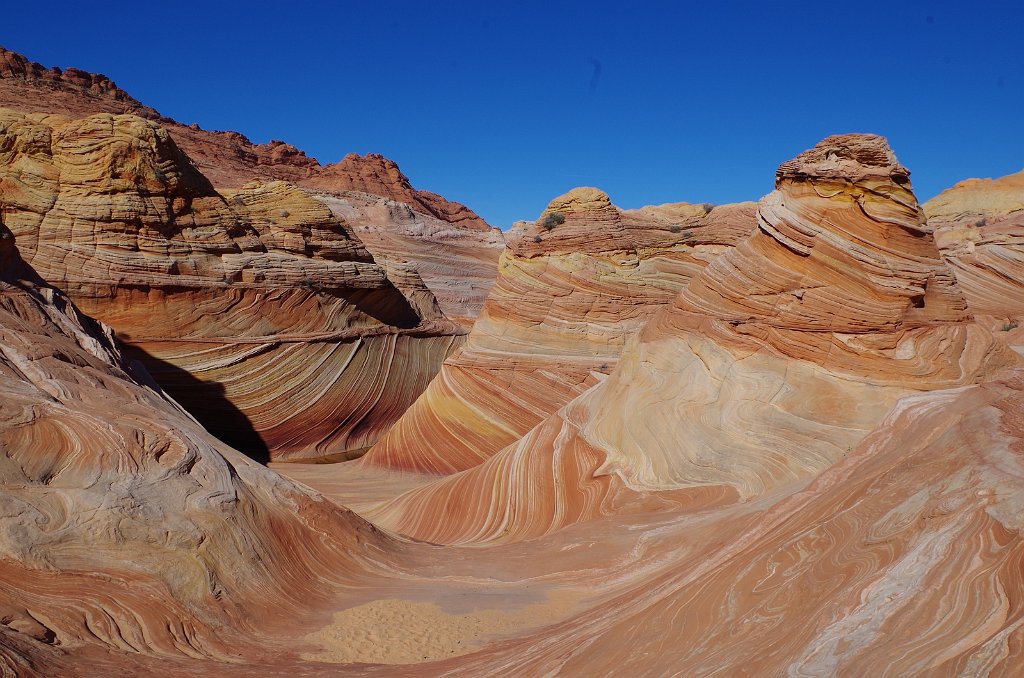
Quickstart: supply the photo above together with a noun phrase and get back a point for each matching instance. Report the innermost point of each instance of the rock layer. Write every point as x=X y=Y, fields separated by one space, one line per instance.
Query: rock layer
x=447 y=239
x=457 y=264
x=767 y=369
x=125 y=528
x=902 y=559
x=258 y=309
x=567 y=298
x=979 y=226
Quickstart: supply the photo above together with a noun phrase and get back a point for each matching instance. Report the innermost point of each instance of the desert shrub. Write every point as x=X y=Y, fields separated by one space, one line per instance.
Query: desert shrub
x=981 y=222
x=285 y=213
x=536 y=238
x=1012 y=325
x=552 y=219
x=675 y=228
x=708 y=206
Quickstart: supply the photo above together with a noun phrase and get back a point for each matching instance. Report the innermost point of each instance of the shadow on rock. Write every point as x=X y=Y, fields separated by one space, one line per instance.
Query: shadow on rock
x=206 y=402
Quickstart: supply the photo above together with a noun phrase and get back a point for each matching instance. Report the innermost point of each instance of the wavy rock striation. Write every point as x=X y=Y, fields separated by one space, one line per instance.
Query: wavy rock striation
x=125 y=528
x=572 y=288
x=258 y=309
x=777 y=359
x=450 y=246
x=457 y=264
x=901 y=559
x=979 y=226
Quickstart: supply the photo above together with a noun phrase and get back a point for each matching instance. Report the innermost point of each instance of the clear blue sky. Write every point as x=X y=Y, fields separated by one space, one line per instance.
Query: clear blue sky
x=505 y=106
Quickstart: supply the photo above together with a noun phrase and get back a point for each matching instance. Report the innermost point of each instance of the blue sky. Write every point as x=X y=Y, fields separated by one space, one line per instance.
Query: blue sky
x=504 y=107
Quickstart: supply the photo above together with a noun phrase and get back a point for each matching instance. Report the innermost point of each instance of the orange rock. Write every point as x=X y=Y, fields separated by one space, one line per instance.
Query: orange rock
x=125 y=527
x=567 y=298
x=230 y=160
x=774 y=361
x=979 y=226
x=258 y=309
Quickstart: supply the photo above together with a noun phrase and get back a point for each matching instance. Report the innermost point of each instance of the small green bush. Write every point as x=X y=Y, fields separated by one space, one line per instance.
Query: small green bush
x=536 y=238
x=1012 y=325
x=708 y=206
x=981 y=222
x=675 y=228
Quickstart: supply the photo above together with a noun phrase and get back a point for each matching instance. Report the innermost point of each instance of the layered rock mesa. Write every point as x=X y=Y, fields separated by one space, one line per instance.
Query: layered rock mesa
x=450 y=246
x=979 y=226
x=572 y=287
x=257 y=309
x=128 y=532
x=772 y=364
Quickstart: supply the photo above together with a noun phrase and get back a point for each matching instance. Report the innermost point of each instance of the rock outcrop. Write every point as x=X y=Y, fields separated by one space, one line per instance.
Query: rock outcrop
x=979 y=226
x=257 y=308
x=457 y=264
x=125 y=528
x=572 y=288
x=230 y=160
x=773 y=363
x=773 y=439
x=901 y=559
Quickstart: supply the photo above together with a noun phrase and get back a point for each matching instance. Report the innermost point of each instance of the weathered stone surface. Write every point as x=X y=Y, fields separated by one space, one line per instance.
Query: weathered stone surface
x=979 y=226
x=773 y=362
x=457 y=264
x=230 y=160
x=568 y=296
x=258 y=309
x=801 y=458
x=902 y=558
x=127 y=529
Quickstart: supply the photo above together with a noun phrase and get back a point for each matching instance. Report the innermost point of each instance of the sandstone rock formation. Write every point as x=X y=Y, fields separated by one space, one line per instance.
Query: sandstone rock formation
x=571 y=289
x=125 y=528
x=258 y=309
x=777 y=359
x=456 y=263
x=448 y=238
x=979 y=226
x=901 y=559
x=781 y=439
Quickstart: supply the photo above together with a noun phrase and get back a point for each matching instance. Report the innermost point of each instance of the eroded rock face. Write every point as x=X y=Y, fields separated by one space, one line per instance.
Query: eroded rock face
x=457 y=265
x=124 y=526
x=903 y=558
x=258 y=309
x=773 y=362
x=572 y=289
x=440 y=255
x=979 y=226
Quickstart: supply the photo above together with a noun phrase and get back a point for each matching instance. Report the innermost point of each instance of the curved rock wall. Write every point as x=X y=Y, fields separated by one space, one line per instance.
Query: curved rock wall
x=124 y=526
x=772 y=364
x=240 y=302
x=979 y=226
x=567 y=298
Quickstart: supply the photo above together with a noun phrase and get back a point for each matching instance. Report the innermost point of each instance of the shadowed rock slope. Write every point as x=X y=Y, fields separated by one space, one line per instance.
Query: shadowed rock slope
x=257 y=308
x=125 y=528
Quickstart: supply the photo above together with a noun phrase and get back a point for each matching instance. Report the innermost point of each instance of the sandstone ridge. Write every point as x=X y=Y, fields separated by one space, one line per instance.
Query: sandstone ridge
x=238 y=302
